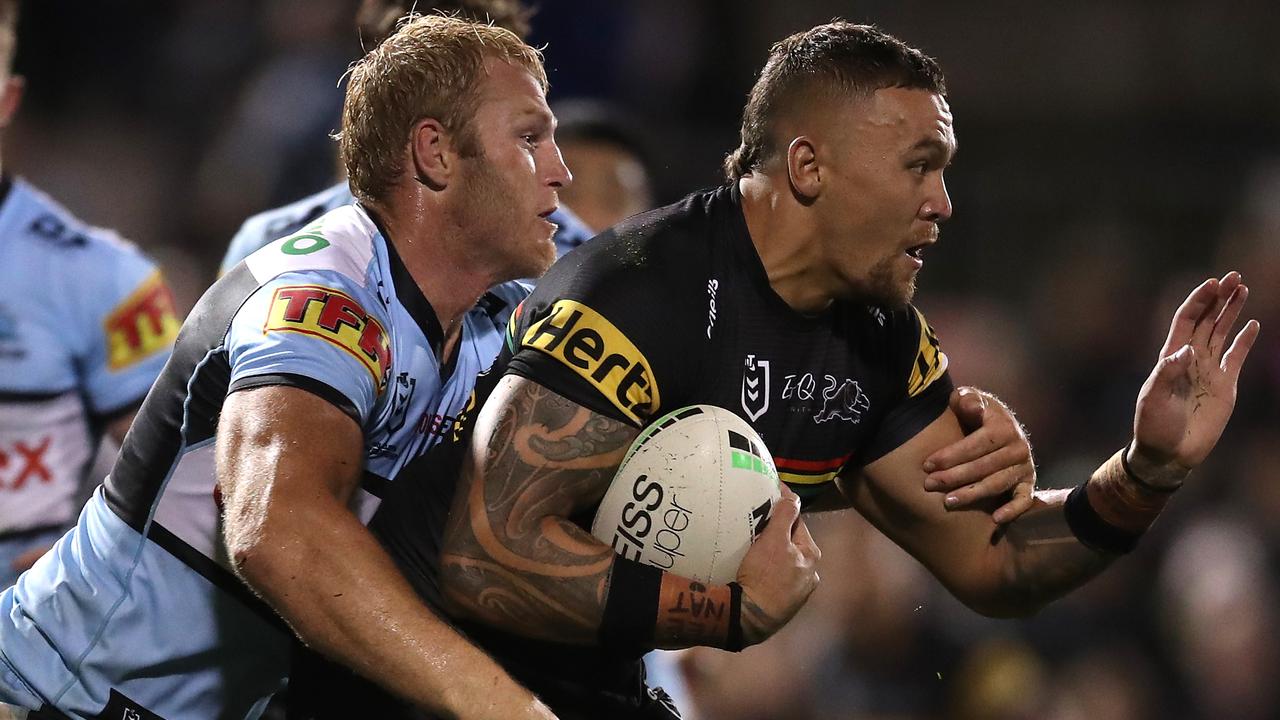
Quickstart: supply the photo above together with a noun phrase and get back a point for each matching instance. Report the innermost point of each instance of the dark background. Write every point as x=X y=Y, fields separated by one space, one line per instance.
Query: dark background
x=1112 y=155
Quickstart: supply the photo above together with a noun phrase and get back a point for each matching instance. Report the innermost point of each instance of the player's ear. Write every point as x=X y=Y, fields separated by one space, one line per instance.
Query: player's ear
x=10 y=98
x=802 y=168
x=431 y=150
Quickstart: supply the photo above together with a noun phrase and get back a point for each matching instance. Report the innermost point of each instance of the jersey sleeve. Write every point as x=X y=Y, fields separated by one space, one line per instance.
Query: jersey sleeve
x=920 y=368
x=318 y=331
x=131 y=324
x=613 y=332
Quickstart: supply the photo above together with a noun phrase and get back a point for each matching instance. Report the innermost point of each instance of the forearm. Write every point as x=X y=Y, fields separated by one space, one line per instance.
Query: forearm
x=1071 y=536
x=330 y=580
x=556 y=585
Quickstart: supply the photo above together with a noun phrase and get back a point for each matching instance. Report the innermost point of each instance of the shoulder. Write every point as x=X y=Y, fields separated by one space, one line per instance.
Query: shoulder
x=340 y=242
x=41 y=224
x=261 y=229
x=649 y=253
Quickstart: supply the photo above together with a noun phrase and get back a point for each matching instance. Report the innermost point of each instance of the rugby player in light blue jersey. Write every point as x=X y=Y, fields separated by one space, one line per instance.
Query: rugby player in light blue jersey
x=86 y=323
x=375 y=20
x=300 y=386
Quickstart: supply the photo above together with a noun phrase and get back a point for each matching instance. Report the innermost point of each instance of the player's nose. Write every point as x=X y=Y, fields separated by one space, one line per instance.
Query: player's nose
x=937 y=206
x=558 y=175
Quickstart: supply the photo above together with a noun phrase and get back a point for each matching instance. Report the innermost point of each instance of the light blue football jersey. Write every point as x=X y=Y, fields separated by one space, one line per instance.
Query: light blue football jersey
x=264 y=227
x=137 y=608
x=86 y=323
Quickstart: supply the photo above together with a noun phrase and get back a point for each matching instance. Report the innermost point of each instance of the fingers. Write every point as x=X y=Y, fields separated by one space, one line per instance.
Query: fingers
x=1233 y=360
x=803 y=541
x=993 y=485
x=969 y=404
x=1205 y=324
x=1183 y=326
x=1226 y=320
x=1022 y=501
x=786 y=510
x=974 y=470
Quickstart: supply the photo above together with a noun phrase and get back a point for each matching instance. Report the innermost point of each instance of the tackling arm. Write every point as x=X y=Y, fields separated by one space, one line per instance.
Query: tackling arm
x=288 y=464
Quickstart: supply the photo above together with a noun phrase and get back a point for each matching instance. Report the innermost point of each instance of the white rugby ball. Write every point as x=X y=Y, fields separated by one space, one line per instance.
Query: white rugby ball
x=693 y=491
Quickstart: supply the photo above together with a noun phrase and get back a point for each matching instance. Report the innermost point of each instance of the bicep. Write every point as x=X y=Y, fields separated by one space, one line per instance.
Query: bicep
x=278 y=440
x=956 y=545
x=540 y=454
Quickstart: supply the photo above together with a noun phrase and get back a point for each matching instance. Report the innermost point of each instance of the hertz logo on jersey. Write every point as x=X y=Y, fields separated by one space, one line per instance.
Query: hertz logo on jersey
x=930 y=361
x=333 y=316
x=143 y=324
x=591 y=346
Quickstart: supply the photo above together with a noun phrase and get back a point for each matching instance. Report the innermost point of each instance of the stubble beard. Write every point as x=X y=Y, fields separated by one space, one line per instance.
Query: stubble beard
x=487 y=210
x=883 y=286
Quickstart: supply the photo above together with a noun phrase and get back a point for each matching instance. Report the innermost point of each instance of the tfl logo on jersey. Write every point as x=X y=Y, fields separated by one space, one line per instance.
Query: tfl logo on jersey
x=755 y=387
x=845 y=402
x=334 y=316
x=142 y=325
x=585 y=342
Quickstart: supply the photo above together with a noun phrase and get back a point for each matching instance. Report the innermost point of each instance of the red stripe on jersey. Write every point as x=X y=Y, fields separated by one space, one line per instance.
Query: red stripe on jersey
x=814 y=466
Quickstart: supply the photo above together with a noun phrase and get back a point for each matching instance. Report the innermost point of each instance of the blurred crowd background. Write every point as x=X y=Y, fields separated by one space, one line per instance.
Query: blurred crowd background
x=1113 y=153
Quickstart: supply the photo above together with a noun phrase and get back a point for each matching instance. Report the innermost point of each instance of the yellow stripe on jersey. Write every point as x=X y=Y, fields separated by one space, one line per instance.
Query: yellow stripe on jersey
x=794 y=479
x=930 y=362
x=585 y=342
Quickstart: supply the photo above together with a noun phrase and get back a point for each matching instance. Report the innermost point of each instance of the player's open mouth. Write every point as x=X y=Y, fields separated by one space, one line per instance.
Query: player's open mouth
x=547 y=213
x=916 y=252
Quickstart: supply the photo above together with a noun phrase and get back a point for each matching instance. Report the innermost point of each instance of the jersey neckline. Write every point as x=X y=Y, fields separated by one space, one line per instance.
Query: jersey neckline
x=410 y=295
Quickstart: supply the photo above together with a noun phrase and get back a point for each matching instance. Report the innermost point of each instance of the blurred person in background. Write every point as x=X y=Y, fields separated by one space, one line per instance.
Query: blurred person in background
x=814 y=244
x=301 y=384
x=610 y=159
x=375 y=20
x=86 y=323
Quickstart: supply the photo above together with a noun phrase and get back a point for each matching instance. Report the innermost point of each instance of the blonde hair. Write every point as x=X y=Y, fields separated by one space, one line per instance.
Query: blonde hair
x=431 y=67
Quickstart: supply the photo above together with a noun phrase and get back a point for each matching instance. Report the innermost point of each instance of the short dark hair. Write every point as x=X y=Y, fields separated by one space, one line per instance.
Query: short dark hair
x=376 y=19
x=839 y=59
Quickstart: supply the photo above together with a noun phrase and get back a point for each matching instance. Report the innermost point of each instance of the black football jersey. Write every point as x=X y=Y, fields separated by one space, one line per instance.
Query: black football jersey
x=674 y=308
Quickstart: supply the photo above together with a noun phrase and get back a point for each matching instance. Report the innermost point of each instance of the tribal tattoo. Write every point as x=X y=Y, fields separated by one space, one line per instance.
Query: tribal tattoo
x=512 y=559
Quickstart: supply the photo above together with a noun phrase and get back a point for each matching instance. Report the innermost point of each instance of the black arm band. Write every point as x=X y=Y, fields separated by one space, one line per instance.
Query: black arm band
x=631 y=607
x=1091 y=530
x=734 y=643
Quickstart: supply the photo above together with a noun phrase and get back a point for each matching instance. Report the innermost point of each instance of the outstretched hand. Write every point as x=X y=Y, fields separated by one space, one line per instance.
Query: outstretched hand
x=1185 y=403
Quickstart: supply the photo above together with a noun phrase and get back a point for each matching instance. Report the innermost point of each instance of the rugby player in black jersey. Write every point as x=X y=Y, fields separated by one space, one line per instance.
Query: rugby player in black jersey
x=784 y=296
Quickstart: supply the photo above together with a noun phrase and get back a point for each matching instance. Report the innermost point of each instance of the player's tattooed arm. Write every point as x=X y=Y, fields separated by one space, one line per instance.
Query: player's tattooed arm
x=514 y=559
x=511 y=557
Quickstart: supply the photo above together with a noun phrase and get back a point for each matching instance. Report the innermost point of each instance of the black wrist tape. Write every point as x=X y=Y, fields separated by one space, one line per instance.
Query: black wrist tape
x=631 y=607
x=734 y=642
x=1090 y=529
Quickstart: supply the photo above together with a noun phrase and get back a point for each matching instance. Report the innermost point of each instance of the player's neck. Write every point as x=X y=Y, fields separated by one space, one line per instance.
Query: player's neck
x=786 y=242
x=448 y=281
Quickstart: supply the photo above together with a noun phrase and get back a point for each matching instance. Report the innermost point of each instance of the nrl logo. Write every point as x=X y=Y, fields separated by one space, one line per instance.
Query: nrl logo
x=755 y=387
x=846 y=402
